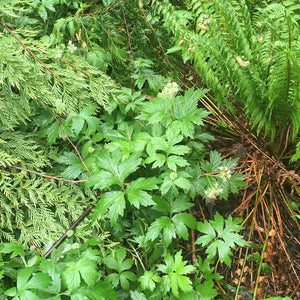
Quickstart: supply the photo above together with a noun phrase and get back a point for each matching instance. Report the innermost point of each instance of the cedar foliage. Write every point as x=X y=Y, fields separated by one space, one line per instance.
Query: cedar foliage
x=34 y=80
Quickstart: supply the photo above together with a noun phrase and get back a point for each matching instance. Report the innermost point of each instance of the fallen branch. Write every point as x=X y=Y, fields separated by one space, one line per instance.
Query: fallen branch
x=64 y=236
x=48 y=176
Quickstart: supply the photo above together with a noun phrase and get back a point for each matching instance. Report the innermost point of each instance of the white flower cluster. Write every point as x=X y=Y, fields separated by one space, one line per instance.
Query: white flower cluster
x=170 y=89
x=225 y=173
x=213 y=192
x=204 y=20
x=72 y=48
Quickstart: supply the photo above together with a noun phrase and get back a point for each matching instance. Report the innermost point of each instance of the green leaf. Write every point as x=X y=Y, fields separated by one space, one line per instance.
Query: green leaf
x=29 y=295
x=146 y=184
x=39 y=281
x=207 y=290
x=173 y=136
x=98 y=59
x=221 y=237
x=12 y=248
x=23 y=277
x=181 y=203
x=135 y=295
x=129 y=166
x=175 y=270
x=69 y=158
x=114 y=201
x=119 y=263
x=166 y=185
x=75 y=165
x=209 y=231
x=50 y=268
x=125 y=277
x=72 y=276
x=51 y=131
x=73 y=171
x=164 y=225
x=158 y=159
x=114 y=279
x=77 y=125
x=175 y=161
x=181 y=222
x=139 y=197
x=182 y=183
x=120 y=169
x=88 y=271
x=11 y=292
x=83 y=268
x=102 y=180
x=174 y=49
x=179 y=149
x=103 y=290
x=149 y=280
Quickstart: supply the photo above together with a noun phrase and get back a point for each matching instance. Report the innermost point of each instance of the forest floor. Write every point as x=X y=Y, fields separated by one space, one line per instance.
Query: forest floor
x=270 y=266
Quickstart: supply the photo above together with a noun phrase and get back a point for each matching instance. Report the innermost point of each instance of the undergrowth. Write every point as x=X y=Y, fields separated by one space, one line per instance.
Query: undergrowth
x=95 y=111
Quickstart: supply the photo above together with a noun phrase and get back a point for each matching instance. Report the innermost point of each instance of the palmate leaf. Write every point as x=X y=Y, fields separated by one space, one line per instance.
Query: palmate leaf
x=176 y=269
x=136 y=191
x=120 y=264
x=49 y=267
x=187 y=113
x=149 y=280
x=102 y=180
x=207 y=290
x=171 y=227
x=182 y=222
x=156 y=111
x=103 y=290
x=75 y=166
x=174 y=161
x=173 y=184
x=27 y=281
x=162 y=225
x=85 y=116
x=83 y=268
x=114 y=201
x=220 y=236
x=139 y=197
x=112 y=163
x=178 y=204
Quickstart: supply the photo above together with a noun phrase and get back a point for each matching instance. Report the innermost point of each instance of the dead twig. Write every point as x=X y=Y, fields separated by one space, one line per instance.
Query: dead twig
x=64 y=236
x=48 y=176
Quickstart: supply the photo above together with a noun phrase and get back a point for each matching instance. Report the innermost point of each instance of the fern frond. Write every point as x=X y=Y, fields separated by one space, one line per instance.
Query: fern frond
x=253 y=53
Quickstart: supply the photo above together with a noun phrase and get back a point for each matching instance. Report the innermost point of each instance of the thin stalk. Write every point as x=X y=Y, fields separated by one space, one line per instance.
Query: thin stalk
x=264 y=246
x=49 y=176
x=72 y=227
x=244 y=263
x=137 y=255
x=285 y=199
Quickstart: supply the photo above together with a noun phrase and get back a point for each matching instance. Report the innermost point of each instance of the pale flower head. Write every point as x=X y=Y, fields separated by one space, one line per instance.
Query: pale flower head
x=225 y=173
x=170 y=89
x=213 y=192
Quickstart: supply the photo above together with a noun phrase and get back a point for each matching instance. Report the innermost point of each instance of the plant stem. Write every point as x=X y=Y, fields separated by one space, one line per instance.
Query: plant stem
x=63 y=237
x=48 y=176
